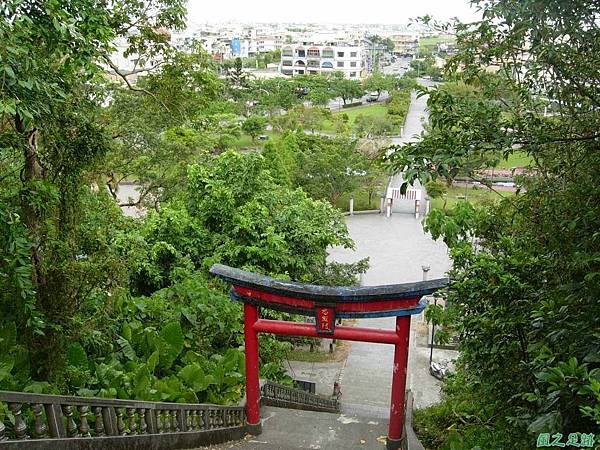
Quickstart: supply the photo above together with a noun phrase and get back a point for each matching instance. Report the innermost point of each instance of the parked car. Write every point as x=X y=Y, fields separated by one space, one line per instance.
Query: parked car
x=373 y=97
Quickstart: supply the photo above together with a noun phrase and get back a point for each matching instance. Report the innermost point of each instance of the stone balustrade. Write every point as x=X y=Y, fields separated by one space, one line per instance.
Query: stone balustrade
x=31 y=418
x=278 y=395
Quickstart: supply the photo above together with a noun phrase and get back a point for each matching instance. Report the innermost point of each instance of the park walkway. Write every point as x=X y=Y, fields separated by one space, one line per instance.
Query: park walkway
x=413 y=127
x=397 y=247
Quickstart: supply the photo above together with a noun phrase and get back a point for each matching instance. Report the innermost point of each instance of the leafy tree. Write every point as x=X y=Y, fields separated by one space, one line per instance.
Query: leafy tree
x=374 y=179
x=254 y=126
x=524 y=299
x=329 y=167
x=312 y=117
x=176 y=116
x=370 y=126
x=281 y=159
x=258 y=224
x=236 y=75
x=52 y=55
x=426 y=67
x=93 y=302
x=346 y=89
x=378 y=82
x=274 y=94
x=320 y=87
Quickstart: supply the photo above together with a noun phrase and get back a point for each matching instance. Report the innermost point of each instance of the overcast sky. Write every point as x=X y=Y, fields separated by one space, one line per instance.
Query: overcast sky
x=326 y=11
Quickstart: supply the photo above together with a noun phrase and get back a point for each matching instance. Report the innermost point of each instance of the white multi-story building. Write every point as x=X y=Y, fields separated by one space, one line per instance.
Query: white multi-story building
x=309 y=58
x=268 y=43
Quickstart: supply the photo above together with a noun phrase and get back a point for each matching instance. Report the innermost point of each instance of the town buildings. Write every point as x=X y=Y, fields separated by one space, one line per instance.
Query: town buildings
x=311 y=58
x=405 y=44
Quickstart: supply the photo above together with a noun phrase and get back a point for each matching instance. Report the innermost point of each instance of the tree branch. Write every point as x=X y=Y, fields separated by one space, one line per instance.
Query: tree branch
x=123 y=76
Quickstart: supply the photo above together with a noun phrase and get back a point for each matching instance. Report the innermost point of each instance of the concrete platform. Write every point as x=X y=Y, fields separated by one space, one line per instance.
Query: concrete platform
x=284 y=429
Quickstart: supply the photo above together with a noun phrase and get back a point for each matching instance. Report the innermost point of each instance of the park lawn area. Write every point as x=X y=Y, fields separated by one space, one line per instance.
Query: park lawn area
x=353 y=113
x=516 y=159
x=361 y=201
x=432 y=41
x=473 y=193
x=246 y=141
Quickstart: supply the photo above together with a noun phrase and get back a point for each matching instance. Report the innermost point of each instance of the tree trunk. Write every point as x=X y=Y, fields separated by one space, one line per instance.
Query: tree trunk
x=32 y=171
x=43 y=348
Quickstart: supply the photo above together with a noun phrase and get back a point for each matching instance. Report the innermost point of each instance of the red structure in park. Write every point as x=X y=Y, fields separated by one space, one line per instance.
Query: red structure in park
x=327 y=303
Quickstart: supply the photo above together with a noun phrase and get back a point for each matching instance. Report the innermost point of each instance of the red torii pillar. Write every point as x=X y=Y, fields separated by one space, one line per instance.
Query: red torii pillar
x=326 y=303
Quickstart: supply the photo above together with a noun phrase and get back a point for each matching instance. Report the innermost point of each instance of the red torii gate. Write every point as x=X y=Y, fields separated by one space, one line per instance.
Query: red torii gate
x=327 y=303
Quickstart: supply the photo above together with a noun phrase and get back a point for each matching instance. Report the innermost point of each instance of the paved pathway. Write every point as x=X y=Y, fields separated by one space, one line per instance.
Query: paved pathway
x=397 y=247
x=286 y=429
x=415 y=118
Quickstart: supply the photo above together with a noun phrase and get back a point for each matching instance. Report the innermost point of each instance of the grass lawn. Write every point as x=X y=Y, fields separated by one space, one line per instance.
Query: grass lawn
x=517 y=159
x=246 y=141
x=474 y=194
x=432 y=41
x=353 y=113
x=361 y=201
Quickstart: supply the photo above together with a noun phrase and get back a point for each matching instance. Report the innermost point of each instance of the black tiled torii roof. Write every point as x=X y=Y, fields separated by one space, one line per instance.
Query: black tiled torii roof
x=329 y=294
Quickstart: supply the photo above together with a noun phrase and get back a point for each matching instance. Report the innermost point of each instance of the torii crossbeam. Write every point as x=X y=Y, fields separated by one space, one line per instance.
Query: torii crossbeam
x=326 y=303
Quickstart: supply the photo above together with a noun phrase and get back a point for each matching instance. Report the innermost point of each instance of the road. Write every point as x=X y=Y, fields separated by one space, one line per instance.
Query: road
x=336 y=104
x=397 y=68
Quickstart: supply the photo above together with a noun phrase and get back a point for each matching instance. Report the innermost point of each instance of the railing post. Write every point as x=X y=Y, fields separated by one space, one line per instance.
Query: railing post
x=252 y=382
x=182 y=419
x=56 y=425
x=395 y=437
x=110 y=421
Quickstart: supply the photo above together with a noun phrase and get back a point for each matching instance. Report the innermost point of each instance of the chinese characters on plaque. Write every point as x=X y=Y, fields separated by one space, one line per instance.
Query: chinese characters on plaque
x=325 y=320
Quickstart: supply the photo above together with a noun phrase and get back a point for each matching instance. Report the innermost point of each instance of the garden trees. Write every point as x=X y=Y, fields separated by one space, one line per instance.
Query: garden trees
x=426 y=67
x=329 y=167
x=370 y=126
x=281 y=159
x=176 y=115
x=374 y=179
x=274 y=94
x=398 y=105
x=325 y=167
x=524 y=299
x=379 y=82
x=97 y=303
x=52 y=54
x=257 y=224
x=345 y=88
x=320 y=88
x=254 y=126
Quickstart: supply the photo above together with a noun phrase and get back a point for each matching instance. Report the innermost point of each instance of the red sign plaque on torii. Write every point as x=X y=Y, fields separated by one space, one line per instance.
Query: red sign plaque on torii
x=325 y=304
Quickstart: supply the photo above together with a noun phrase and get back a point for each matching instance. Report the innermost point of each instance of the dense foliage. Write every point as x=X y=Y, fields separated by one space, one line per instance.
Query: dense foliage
x=524 y=301
x=97 y=303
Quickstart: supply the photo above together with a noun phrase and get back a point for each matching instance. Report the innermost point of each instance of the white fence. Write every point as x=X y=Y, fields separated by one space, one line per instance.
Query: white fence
x=411 y=194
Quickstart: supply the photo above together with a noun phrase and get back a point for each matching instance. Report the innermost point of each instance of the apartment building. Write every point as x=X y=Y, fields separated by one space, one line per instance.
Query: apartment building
x=405 y=44
x=267 y=43
x=310 y=58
